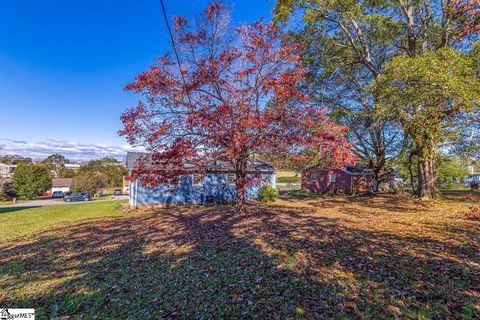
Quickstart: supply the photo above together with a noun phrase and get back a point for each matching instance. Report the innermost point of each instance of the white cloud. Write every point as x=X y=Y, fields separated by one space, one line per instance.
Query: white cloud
x=70 y=149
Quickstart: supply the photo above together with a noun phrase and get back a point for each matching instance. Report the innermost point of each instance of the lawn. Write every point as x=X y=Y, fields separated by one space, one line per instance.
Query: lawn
x=289 y=179
x=327 y=257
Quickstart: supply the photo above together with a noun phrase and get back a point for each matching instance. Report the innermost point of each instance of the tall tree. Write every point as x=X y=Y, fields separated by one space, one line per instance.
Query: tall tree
x=428 y=94
x=113 y=169
x=346 y=46
x=55 y=163
x=235 y=96
x=356 y=40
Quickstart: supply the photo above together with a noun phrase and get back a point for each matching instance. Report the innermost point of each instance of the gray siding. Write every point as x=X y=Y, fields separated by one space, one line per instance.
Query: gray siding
x=214 y=184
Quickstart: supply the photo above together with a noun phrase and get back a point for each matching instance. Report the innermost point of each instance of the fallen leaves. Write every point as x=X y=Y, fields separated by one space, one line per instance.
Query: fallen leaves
x=332 y=258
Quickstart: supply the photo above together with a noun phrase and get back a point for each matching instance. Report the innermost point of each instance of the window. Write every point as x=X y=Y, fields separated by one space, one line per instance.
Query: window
x=231 y=178
x=333 y=178
x=197 y=179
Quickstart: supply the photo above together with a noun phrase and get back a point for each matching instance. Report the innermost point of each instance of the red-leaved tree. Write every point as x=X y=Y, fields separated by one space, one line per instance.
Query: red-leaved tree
x=234 y=96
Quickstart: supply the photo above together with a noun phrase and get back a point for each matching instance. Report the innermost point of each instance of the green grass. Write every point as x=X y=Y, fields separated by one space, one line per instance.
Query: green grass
x=289 y=179
x=304 y=194
x=4 y=202
x=313 y=258
x=22 y=221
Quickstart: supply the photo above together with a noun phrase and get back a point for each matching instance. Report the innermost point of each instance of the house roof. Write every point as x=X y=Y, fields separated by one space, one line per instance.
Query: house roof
x=352 y=170
x=359 y=170
x=218 y=166
x=62 y=182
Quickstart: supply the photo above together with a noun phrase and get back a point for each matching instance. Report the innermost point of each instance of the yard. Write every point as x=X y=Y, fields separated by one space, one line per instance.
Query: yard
x=324 y=257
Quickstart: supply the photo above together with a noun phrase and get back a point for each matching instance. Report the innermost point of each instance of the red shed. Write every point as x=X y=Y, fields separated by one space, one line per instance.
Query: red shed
x=346 y=180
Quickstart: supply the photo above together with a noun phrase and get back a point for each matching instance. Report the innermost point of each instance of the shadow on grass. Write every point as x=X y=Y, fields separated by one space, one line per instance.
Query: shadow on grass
x=461 y=195
x=15 y=209
x=211 y=263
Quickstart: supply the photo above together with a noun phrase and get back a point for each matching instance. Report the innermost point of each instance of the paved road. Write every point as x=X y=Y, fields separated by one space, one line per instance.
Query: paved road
x=57 y=202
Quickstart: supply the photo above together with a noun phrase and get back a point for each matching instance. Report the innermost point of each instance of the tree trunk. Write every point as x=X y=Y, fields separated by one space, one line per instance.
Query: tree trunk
x=427 y=178
x=410 y=171
x=240 y=185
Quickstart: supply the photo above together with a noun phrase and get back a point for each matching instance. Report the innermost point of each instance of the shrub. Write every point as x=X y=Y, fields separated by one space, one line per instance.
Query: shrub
x=90 y=182
x=267 y=193
x=6 y=189
x=31 y=180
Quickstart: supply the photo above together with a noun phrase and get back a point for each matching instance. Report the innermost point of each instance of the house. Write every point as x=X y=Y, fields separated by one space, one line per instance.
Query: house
x=216 y=183
x=6 y=170
x=72 y=166
x=65 y=185
x=346 y=180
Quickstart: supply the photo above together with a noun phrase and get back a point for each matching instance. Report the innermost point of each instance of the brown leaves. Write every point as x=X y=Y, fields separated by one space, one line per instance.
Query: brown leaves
x=472 y=213
x=325 y=258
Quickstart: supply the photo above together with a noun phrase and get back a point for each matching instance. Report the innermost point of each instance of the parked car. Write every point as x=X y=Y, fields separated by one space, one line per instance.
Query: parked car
x=58 y=194
x=117 y=192
x=78 y=196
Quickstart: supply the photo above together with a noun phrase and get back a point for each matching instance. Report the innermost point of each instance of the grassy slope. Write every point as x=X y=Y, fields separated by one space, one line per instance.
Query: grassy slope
x=325 y=257
x=25 y=221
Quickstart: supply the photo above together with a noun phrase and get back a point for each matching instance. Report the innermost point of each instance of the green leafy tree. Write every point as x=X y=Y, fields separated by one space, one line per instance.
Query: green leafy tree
x=428 y=94
x=113 y=169
x=55 y=163
x=68 y=173
x=31 y=180
x=451 y=170
x=14 y=159
x=349 y=44
x=346 y=46
x=90 y=181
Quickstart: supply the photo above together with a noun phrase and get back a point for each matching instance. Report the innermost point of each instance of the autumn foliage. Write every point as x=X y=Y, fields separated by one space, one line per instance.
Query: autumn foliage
x=235 y=96
x=467 y=14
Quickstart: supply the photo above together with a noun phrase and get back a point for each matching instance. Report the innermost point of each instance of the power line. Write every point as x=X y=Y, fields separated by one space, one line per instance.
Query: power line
x=175 y=50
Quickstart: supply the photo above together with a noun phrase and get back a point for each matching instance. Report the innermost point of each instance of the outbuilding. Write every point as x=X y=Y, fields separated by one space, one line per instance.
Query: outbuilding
x=349 y=180
x=64 y=185
x=216 y=183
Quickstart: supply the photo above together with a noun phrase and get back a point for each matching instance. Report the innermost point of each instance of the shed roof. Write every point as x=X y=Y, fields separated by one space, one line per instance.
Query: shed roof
x=259 y=166
x=352 y=170
x=62 y=182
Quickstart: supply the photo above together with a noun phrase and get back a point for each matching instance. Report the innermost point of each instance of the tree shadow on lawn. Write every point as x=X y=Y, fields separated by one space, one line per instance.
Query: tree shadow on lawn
x=15 y=209
x=211 y=263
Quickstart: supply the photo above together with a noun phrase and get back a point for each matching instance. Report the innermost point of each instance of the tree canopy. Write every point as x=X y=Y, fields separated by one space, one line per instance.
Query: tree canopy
x=235 y=94
x=31 y=180
x=90 y=181
x=111 y=168
x=55 y=163
x=351 y=44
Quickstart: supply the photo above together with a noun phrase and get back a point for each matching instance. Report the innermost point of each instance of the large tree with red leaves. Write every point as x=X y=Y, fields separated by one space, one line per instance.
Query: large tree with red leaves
x=232 y=95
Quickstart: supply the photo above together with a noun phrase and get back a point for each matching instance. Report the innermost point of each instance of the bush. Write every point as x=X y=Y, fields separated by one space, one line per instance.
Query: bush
x=31 y=180
x=90 y=182
x=6 y=189
x=267 y=193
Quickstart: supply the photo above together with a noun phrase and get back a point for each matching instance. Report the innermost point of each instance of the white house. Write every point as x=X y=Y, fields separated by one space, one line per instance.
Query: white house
x=6 y=170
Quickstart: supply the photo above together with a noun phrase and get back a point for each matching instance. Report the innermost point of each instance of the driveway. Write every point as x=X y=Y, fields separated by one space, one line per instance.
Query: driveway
x=58 y=202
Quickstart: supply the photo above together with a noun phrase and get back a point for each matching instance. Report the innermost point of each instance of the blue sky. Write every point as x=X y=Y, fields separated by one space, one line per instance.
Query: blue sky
x=63 y=66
